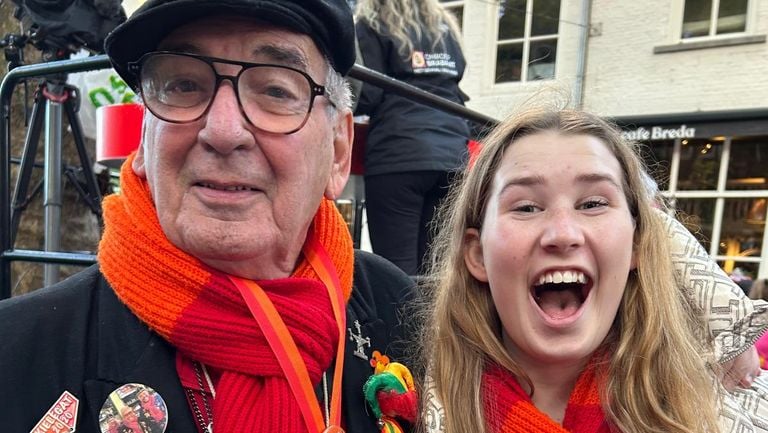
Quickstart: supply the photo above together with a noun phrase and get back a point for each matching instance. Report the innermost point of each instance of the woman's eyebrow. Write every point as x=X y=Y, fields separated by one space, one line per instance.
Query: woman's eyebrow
x=527 y=180
x=597 y=178
x=532 y=180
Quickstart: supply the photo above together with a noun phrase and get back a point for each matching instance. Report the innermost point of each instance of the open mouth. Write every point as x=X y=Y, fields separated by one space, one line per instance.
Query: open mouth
x=560 y=294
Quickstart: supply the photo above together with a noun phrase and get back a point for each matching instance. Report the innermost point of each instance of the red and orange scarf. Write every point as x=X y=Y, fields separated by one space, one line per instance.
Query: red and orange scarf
x=508 y=408
x=200 y=312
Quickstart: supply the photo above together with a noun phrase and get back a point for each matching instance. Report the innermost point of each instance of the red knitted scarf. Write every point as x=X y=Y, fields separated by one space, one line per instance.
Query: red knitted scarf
x=508 y=409
x=201 y=313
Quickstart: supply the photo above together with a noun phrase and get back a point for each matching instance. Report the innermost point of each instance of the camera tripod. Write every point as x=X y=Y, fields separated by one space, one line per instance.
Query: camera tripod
x=53 y=97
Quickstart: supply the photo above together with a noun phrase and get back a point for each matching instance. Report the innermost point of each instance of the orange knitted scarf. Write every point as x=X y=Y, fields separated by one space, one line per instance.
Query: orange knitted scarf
x=508 y=408
x=200 y=312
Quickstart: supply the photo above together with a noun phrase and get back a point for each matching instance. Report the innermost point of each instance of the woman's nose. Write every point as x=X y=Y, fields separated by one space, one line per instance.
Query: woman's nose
x=563 y=231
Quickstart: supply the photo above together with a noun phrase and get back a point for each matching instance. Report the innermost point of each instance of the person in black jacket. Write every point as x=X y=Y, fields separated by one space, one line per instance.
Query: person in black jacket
x=226 y=280
x=411 y=149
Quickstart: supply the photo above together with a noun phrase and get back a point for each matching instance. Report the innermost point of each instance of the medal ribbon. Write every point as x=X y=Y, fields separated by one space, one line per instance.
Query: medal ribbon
x=283 y=345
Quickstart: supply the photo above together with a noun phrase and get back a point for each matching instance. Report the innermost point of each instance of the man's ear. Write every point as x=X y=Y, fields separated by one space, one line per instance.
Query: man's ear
x=343 y=137
x=473 y=255
x=139 y=163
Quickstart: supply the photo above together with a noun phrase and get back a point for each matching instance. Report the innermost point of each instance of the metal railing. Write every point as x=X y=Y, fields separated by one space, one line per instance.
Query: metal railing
x=9 y=254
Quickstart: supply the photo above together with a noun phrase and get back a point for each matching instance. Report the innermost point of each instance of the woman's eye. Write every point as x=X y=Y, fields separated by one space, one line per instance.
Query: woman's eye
x=594 y=203
x=525 y=208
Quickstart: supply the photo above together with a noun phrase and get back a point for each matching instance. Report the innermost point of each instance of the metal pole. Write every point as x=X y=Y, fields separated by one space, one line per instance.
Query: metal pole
x=52 y=188
x=581 y=54
x=415 y=94
x=36 y=256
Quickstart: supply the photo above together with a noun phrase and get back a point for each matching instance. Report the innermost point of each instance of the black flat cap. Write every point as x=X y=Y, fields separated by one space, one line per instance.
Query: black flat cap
x=328 y=22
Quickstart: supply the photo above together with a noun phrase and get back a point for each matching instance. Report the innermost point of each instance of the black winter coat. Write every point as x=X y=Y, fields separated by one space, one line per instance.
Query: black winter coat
x=77 y=336
x=406 y=136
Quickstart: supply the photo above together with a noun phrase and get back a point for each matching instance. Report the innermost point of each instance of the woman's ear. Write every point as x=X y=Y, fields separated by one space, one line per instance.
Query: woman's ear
x=473 y=255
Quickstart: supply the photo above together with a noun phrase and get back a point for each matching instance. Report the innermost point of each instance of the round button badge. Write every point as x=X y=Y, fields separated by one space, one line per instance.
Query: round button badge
x=133 y=408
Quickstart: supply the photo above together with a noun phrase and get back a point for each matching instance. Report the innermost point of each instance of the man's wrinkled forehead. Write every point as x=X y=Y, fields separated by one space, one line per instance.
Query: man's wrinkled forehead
x=264 y=43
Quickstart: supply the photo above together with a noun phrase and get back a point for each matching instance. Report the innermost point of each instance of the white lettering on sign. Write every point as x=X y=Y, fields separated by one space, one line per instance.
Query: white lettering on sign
x=61 y=417
x=431 y=63
x=659 y=133
x=638 y=134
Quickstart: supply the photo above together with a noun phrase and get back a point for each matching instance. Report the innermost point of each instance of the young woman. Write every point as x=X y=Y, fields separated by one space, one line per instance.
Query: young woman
x=556 y=306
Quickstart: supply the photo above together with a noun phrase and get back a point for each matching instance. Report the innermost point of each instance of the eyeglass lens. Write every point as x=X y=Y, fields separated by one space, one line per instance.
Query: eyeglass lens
x=180 y=89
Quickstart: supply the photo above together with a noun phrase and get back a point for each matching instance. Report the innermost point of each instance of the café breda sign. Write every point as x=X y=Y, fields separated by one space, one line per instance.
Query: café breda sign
x=659 y=133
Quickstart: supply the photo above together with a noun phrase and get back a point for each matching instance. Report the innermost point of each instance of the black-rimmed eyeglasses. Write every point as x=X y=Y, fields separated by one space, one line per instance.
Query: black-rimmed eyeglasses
x=180 y=88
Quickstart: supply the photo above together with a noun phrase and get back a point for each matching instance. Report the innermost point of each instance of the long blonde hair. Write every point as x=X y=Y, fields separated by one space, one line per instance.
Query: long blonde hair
x=657 y=378
x=399 y=17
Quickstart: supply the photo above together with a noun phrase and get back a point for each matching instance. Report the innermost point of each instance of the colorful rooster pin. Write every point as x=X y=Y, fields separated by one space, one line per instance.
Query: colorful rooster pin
x=390 y=393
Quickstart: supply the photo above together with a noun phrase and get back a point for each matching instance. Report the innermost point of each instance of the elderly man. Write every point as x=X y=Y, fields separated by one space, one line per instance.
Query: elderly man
x=224 y=269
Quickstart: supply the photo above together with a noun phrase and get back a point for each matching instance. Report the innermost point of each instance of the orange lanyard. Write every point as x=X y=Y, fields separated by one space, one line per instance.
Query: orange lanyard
x=284 y=348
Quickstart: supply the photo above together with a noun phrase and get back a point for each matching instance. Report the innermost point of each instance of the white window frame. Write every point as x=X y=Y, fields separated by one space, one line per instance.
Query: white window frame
x=526 y=41
x=453 y=5
x=712 y=34
x=720 y=194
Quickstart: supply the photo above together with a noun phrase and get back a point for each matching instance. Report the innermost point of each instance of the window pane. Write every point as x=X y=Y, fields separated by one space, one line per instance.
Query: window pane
x=696 y=18
x=697 y=215
x=748 y=166
x=509 y=60
x=658 y=156
x=458 y=12
x=511 y=19
x=546 y=16
x=541 y=64
x=699 y=163
x=732 y=16
x=743 y=225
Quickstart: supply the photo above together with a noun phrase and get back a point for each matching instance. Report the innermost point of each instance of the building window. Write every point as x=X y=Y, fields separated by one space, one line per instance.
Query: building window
x=706 y=18
x=719 y=189
x=699 y=163
x=526 y=47
x=456 y=7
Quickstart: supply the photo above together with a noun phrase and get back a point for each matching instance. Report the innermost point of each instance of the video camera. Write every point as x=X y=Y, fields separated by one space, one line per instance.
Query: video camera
x=65 y=26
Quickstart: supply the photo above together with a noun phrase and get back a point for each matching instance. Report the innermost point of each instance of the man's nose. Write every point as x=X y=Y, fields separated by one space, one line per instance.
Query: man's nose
x=226 y=127
x=563 y=231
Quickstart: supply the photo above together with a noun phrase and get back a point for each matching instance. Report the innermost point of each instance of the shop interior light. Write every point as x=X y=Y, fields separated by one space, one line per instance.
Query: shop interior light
x=748 y=181
x=756 y=214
